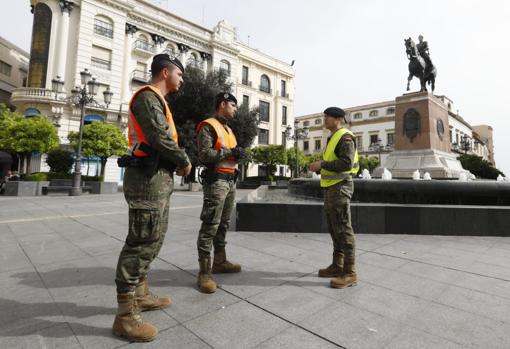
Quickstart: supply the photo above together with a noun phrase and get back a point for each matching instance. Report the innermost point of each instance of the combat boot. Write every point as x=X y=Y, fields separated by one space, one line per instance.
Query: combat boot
x=335 y=268
x=221 y=264
x=206 y=283
x=146 y=300
x=129 y=322
x=348 y=277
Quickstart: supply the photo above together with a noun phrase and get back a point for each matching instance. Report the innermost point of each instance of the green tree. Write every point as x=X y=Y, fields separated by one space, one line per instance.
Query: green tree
x=291 y=160
x=60 y=161
x=479 y=167
x=269 y=156
x=100 y=139
x=195 y=103
x=369 y=163
x=25 y=136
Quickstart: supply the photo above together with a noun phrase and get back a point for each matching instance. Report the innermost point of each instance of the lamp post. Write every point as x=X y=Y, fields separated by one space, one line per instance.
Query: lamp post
x=81 y=96
x=299 y=133
x=465 y=143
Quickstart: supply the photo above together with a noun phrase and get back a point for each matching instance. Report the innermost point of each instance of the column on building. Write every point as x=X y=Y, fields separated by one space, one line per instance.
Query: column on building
x=66 y=7
x=127 y=65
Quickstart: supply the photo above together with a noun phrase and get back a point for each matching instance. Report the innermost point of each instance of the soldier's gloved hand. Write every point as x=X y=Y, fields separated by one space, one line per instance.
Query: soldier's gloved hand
x=238 y=153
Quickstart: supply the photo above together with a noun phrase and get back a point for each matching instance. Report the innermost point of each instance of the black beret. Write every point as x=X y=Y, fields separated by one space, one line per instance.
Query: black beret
x=161 y=60
x=335 y=112
x=225 y=96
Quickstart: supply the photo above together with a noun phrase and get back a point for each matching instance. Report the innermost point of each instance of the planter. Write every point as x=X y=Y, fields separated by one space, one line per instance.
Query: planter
x=21 y=188
x=103 y=187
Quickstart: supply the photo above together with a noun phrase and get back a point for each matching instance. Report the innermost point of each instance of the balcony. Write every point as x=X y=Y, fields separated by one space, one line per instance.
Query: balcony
x=140 y=76
x=246 y=83
x=32 y=94
x=143 y=48
x=101 y=63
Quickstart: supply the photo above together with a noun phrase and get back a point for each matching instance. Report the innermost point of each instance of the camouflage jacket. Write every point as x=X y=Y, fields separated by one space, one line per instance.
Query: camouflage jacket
x=206 y=139
x=150 y=114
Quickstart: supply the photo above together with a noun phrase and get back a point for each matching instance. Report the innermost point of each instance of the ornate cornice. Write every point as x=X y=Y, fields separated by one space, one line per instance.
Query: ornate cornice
x=131 y=29
x=66 y=6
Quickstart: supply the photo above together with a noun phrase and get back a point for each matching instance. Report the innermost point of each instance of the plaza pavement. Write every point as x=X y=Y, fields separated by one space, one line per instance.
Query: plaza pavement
x=58 y=257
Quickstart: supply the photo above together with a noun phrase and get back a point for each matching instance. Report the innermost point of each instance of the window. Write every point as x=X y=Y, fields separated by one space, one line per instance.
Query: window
x=318 y=144
x=359 y=143
x=318 y=121
x=451 y=139
x=193 y=60
x=390 y=111
x=284 y=139
x=374 y=113
x=225 y=67
x=263 y=136
x=143 y=44
x=5 y=68
x=374 y=139
x=306 y=123
x=246 y=100
x=284 y=88
x=305 y=145
x=284 y=115
x=390 y=138
x=103 y=27
x=170 y=49
x=264 y=111
x=357 y=116
x=265 y=85
x=101 y=58
x=245 y=75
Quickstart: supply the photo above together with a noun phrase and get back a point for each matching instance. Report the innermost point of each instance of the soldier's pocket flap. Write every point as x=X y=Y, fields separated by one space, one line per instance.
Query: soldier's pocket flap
x=144 y=205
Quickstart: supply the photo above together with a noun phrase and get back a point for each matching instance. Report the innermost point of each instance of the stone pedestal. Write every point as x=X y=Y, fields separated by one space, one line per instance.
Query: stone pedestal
x=422 y=139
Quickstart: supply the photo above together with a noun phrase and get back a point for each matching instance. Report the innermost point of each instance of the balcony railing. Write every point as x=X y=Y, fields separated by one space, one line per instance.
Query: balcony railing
x=32 y=94
x=144 y=46
x=246 y=83
x=140 y=76
x=265 y=89
x=101 y=63
x=103 y=30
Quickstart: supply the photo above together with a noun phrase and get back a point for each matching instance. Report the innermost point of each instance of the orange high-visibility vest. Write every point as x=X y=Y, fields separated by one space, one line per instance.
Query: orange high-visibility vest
x=135 y=133
x=224 y=138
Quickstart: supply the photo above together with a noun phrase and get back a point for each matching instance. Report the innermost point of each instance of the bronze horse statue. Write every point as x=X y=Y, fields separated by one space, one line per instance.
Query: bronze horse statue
x=418 y=67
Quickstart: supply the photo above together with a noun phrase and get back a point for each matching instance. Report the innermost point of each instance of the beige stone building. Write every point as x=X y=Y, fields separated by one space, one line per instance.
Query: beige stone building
x=13 y=70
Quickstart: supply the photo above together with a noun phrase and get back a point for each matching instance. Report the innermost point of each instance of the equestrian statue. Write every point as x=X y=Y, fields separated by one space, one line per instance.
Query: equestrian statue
x=420 y=64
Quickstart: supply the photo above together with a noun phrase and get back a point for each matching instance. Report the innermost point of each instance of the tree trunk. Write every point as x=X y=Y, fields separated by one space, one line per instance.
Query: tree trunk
x=104 y=159
x=29 y=160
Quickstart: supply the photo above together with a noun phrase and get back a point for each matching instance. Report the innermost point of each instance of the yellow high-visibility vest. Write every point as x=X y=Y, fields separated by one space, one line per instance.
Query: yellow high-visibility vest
x=329 y=178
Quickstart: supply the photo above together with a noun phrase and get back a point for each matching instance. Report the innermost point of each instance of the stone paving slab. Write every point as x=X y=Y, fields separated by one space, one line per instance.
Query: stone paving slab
x=58 y=266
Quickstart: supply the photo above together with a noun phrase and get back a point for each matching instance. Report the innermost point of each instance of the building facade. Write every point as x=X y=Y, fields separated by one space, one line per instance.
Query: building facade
x=13 y=70
x=374 y=128
x=116 y=40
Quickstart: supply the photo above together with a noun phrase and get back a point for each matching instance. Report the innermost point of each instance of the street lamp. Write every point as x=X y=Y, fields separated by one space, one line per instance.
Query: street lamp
x=299 y=133
x=82 y=96
x=465 y=143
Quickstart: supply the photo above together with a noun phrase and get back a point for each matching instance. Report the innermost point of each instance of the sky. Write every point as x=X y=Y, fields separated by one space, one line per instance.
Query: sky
x=351 y=52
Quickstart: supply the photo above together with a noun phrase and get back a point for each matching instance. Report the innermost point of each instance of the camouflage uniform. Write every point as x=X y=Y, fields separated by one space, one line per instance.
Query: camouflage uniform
x=147 y=192
x=337 y=200
x=219 y=196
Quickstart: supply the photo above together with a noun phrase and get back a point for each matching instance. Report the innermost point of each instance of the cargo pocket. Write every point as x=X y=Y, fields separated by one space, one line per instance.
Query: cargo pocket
x=143 y=225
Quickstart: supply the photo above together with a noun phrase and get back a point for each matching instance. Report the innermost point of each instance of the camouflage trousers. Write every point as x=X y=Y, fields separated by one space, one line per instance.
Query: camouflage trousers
x=337 y=206
x=148 y=198
x=219 y=201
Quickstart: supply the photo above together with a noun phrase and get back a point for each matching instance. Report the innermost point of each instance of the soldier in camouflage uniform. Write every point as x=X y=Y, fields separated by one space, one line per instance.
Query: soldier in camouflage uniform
x=340 y=162
x=148 y=184
x=218 y=151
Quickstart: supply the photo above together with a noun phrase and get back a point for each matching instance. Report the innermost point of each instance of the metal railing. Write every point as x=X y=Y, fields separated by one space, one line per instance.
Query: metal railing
x=140 y=75
x=145 y=46
x=101 y=63
x=103 y=31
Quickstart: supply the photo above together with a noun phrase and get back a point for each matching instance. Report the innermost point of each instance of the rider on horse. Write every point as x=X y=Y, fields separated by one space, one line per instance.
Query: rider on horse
x=423 y=50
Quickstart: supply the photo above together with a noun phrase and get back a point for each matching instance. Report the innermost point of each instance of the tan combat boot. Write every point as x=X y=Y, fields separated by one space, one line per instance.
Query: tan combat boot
x=146 y=300
x=206 y=283
x=348 y=278
x=335 y=268
x=129 y=322
x=222 y=265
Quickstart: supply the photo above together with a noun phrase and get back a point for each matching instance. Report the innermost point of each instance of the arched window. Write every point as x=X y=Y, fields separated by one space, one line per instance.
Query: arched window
x=171 y=50
x=374 y=113
x=103 y=26
x=41 y=34
x=193 y=60
x=92 y=118
x=29 y=112
x=357 y=116
x=265 y=84
x=225 y=67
